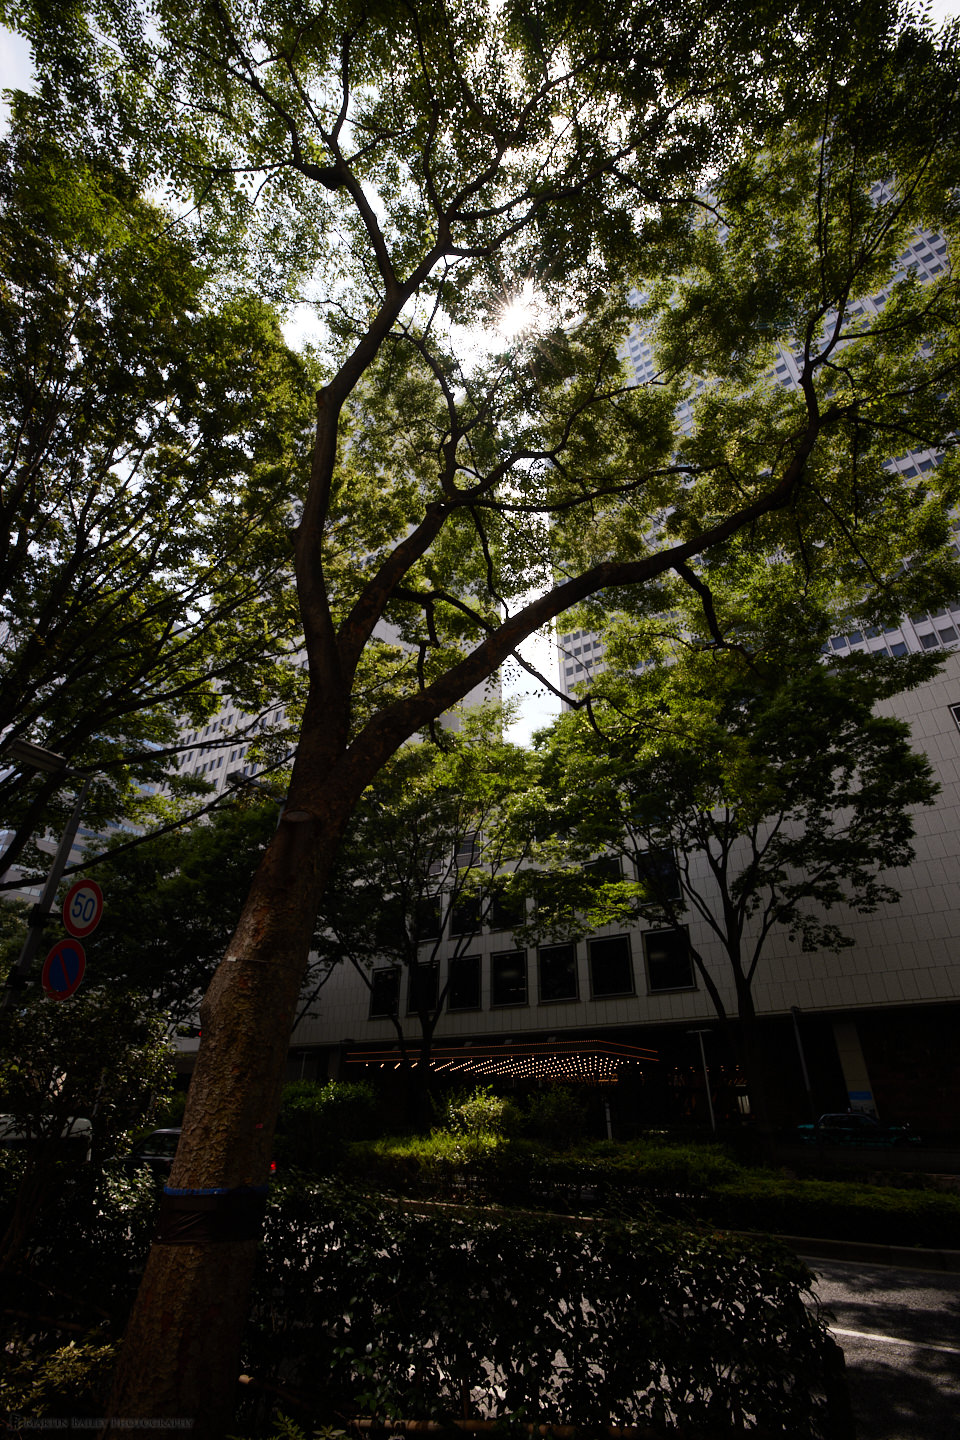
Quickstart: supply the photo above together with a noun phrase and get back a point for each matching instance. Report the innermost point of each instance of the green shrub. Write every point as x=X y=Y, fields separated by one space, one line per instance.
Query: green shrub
x=79 y=1270
x=479 y=1112
x=70 y=1381
x=836 y=1210
x=367 y=1308
x=698 y=1182
x=316 y=1120
x=557 y=1115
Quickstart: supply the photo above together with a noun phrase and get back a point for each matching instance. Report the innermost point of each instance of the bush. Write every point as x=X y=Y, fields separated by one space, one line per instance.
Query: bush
x=479 y=1112
x=364 y=1308
x=316 y=1121
x=556 y=1115
x=837 y=1210
x=78 y=1273
x=67 y=1382
x=692 y=1182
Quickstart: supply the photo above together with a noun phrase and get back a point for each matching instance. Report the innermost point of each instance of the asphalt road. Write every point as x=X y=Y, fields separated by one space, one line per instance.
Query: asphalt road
x=900 y=1333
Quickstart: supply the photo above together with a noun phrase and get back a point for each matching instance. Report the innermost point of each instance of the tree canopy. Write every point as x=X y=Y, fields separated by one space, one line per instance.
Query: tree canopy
x=170 y=905
x=749 y=782
x=152 y=441
x=430 y=853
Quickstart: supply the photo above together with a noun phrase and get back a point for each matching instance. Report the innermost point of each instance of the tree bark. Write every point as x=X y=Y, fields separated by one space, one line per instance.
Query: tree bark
x=180 y=1357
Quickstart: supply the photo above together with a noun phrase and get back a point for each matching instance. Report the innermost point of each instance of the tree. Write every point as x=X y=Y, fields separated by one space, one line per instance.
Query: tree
x=104 y=1055
x=150 y=433
x=746 y=781
x=170 y=904
x=430 y=850
x=417 y=166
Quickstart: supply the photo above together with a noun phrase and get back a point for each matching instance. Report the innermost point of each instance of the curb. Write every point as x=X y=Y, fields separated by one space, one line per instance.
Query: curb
x=905 y=1256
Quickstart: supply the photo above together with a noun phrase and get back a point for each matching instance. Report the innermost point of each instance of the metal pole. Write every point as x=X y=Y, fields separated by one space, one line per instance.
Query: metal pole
x=41 y=911
x=706 y=1076
x=794 y=1012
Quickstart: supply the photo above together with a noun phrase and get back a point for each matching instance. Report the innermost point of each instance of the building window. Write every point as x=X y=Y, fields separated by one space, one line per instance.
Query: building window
x=606 y=868
x=508 y=978
x=955 y=712
x=427 y=916
x=423 y=989
x=463 y=987
x=657 y=869
x=384 y=993
x=506 y=912
x=468 y=850
x=465 y=918
x=669 y=964
x=611 y=968
x=558 y=973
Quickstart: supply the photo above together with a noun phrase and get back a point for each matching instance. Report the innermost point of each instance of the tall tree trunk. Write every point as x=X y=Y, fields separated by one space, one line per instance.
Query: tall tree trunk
x=755 y=1069
x=180 y=1357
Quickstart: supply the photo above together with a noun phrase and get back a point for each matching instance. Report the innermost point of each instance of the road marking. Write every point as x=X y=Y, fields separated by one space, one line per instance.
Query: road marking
x=894 y=1340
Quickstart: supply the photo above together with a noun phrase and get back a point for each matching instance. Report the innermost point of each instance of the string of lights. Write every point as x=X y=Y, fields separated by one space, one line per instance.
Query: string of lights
x=586 y=1063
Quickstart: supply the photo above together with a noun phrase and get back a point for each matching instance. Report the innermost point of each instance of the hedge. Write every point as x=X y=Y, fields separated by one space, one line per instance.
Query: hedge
x=367 y=1308
x=683 y=1182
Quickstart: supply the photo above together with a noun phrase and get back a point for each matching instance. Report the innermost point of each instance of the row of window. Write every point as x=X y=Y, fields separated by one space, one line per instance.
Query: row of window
x=656 y=868
x=666 y=955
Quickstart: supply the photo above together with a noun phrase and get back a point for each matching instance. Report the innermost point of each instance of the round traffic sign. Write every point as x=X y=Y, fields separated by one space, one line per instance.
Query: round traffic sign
x=82 y=908
x=63 y=969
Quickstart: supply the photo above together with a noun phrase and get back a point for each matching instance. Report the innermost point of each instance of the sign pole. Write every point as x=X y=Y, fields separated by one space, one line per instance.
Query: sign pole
x=41 y=911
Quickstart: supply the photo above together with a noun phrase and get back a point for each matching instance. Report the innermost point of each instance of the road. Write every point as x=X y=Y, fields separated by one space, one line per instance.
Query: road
x=900 y=1333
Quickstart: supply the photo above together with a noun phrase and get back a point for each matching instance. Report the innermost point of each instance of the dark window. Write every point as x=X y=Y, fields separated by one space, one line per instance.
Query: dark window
x=422 y=990
x=855 y=637
x=463 y=991
x=384 y=992
x=948 y=635
x=898 y=648
x=506 y=912
x=428 y=917
x=928 y=642
x=606 y=868
x=611 y=969
x=669 y=966
x=955 y=712
x=839 y=642
x=508 y=978
x=558 y=973
x=468 y=851
x=466 y=915
x=658 y=870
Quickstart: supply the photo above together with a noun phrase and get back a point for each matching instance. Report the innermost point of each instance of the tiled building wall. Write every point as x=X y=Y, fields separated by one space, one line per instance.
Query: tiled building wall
x=908 y=953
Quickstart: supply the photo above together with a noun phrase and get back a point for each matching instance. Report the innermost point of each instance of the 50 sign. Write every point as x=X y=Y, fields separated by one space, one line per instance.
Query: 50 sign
x=82 y=908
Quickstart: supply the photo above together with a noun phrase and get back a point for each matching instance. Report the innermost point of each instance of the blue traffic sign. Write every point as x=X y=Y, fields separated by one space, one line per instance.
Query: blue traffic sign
x=63 y=969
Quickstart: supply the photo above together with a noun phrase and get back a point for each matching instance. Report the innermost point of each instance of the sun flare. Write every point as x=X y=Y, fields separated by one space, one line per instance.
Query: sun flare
x=521 y=314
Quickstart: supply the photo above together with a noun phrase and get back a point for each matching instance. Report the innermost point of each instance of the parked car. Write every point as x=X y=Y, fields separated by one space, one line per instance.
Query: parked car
x=157 y=1150
x=73 y=1143
x=855 y=1128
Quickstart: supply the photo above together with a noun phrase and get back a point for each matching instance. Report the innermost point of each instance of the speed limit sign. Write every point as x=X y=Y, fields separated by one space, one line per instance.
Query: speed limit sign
x=82 y=908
